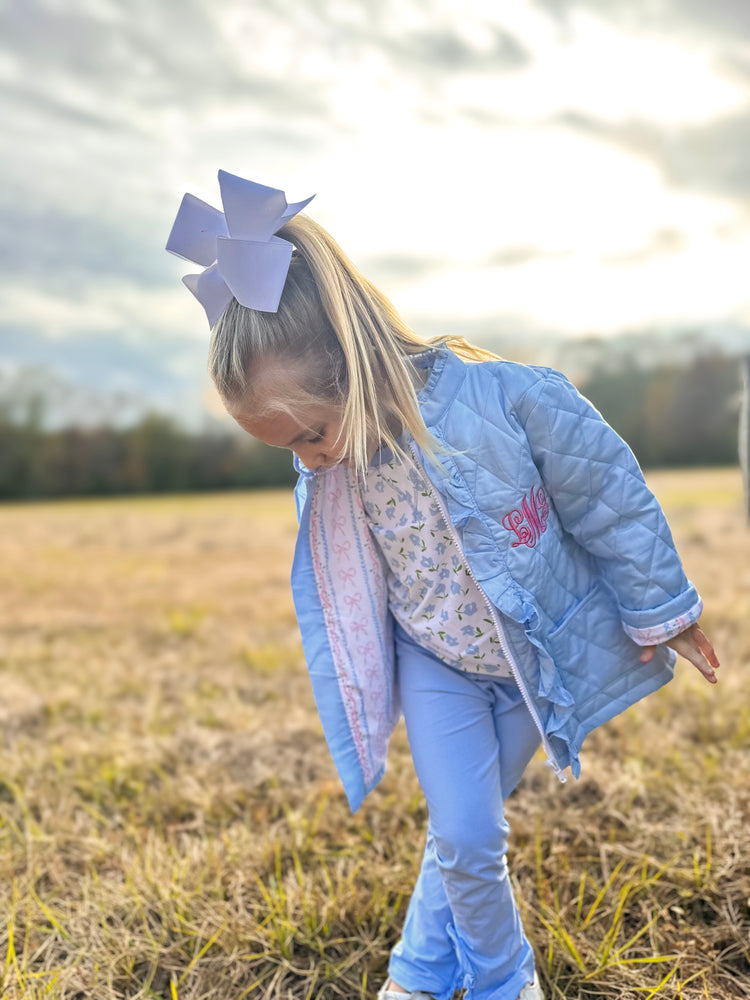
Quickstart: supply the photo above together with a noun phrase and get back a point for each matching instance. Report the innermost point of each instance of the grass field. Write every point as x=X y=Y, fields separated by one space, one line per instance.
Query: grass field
x=171 y=824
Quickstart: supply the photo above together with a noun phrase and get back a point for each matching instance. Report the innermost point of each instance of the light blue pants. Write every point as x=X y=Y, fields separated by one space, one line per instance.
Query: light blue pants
x=471 y=738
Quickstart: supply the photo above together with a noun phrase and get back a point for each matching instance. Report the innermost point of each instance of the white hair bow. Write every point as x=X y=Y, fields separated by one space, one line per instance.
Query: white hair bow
x=237 y=247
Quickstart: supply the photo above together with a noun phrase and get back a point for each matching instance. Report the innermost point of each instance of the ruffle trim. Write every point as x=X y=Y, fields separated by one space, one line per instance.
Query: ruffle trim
x=554 y=691
x=561 y=704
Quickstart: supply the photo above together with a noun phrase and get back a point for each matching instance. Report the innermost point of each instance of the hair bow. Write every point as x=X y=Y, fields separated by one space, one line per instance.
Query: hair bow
x=241 y=255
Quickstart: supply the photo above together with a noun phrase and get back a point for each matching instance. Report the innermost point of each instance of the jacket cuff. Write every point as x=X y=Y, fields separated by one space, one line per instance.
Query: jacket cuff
x=653 y=635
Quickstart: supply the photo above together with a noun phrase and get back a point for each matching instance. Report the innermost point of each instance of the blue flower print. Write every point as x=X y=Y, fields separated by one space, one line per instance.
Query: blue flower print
x=451 y=640
x=455 y=587
x=414 y=539
x=440 y=547
x=390 y=513
x=456 y=562
x=444 y=574
x=470 y=608
x=427 y=562
x=444 y=616
x=472 y=649
x=390 y=535
x=440 y=591
x=467 y=630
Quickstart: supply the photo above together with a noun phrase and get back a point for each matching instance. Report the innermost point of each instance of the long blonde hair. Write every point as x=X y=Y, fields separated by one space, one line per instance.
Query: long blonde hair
x=348 y=339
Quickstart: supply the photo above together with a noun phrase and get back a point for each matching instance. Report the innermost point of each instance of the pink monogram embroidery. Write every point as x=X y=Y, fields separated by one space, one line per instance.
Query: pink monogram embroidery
x=530 y=522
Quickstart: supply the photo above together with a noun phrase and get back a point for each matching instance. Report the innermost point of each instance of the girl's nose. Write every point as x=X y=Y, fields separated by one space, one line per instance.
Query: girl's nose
x=313 y=457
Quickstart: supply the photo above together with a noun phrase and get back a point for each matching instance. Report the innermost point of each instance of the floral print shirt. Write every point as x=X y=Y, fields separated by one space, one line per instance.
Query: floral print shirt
x=430 y=590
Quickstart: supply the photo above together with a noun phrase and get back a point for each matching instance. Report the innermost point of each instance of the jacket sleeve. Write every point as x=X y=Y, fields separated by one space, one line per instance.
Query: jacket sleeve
x=601 y=498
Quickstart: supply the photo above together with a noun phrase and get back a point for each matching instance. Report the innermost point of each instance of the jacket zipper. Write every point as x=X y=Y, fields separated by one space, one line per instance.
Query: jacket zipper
x=497 y=623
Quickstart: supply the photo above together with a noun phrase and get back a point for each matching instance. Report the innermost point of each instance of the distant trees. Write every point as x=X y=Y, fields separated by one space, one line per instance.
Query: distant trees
x=670 y=417
x=673 y=416
x=154 y=456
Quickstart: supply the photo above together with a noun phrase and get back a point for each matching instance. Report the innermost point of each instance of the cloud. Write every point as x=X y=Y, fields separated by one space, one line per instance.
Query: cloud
x=435 y=50
x=725 y=21
x=509 y=334
x=709 y=158
x=424 y=40
x=103 y=103
x=106 y=376
x=64 y=249
x=401 y=267
x=519 y=254
x=142 y=55
x=665 y=242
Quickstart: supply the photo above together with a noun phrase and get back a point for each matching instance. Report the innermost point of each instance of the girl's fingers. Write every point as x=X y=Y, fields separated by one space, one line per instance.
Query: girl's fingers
x=704 y=645
x=695 y=646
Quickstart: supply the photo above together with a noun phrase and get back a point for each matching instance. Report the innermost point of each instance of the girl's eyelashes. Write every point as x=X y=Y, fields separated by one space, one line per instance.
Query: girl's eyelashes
x=317 y=436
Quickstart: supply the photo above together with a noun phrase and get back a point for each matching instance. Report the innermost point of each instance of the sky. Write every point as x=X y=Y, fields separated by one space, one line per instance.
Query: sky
x=505 y=169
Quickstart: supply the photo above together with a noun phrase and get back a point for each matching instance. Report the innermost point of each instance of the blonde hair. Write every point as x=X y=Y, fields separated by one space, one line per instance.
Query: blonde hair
x=348 y=339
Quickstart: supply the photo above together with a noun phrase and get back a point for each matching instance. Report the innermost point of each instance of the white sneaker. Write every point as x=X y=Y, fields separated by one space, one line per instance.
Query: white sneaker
x=385 y=994
x=532 y=991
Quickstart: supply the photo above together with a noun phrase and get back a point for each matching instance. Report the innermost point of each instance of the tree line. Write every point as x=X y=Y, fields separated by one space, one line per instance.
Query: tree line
x=155 y=455
x=677 y=416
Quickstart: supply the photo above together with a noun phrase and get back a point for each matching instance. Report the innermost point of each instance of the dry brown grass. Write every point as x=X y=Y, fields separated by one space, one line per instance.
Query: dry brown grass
x=171 y=824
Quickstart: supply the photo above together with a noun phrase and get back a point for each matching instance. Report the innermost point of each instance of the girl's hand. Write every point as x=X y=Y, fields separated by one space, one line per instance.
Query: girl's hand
x=695 y=646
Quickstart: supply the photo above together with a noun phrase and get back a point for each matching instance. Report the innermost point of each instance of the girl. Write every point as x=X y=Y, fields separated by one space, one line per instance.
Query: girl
x=477 y=549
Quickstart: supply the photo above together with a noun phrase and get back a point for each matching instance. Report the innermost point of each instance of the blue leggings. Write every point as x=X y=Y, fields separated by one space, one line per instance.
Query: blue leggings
x=471 y=738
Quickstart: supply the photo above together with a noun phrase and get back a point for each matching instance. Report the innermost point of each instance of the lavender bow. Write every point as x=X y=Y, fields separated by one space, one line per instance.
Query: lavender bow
x=241 y=255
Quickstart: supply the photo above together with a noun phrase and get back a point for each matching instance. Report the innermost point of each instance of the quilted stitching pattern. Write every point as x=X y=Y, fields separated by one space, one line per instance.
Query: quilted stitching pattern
x=516 y=437
x=604 y=565
x=606 y=562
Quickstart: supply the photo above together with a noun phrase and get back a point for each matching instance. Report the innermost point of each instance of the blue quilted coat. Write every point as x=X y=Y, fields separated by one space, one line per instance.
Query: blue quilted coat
x=561 y=533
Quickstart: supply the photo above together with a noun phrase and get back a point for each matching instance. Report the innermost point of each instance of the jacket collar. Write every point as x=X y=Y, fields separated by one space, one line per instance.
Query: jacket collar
x=447 y=372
